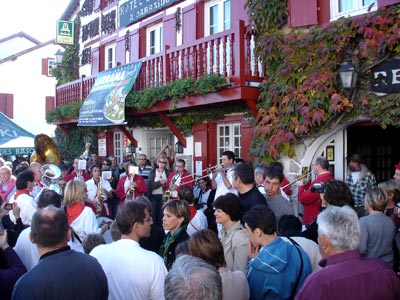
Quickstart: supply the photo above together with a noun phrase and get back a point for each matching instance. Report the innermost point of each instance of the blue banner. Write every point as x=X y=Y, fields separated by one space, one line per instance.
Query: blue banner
x=105 y=104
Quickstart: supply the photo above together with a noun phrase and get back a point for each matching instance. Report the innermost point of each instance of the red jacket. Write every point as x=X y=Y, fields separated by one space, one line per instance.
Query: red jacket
x=312 y=201
x=72 y=176
x=140 y=189
x=186 y=179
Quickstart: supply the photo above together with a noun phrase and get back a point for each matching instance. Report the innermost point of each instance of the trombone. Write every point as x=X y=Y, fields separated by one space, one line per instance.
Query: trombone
x=301 y=177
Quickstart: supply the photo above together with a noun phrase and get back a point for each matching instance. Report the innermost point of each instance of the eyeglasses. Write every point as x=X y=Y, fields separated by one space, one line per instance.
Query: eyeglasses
x=142 y=159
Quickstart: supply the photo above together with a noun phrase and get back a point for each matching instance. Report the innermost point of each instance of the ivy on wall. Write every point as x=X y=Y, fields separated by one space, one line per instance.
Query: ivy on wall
x=301 y=96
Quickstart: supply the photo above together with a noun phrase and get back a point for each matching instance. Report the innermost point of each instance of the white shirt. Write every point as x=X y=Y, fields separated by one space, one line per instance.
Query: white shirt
x=198 y=222
x=85 y=223
x=132 y=272
x=221 y=187
x=28 y=208
x=91 y=186
x=26 y=250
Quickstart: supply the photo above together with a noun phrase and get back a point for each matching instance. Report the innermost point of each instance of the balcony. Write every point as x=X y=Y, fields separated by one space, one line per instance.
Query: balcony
x=229 y=53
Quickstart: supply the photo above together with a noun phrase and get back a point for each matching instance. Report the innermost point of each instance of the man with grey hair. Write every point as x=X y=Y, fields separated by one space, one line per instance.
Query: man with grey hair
x=344 y=268
x=192 y=278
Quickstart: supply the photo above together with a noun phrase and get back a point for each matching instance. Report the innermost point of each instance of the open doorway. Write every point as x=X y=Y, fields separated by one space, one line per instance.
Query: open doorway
x=380 y=148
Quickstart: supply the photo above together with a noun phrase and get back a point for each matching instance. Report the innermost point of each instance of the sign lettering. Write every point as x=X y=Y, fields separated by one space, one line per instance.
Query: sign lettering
x=386 y=77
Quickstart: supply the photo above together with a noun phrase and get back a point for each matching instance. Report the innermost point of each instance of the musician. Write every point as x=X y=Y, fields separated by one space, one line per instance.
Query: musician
x=157 y=185
x=131 y=185
x=179 y=178
x=35 y=167
x=92 y=186
x=222 y=181
x=76 y=173
x=311 y=200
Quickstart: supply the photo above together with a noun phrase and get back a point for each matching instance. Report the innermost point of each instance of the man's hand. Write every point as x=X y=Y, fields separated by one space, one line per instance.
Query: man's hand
x=252 y=250
x=16 y=211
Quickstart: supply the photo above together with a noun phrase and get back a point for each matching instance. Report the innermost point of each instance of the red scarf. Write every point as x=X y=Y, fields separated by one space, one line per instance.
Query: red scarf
x=20 y=192
x=74 y=211
x=10 y=186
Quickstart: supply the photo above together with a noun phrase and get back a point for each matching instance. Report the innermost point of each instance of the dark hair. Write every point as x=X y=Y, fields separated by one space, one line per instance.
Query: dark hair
x=107 y=161
x=323 y=162
x=229 y=154
x=206 y=245
x=245 y=172
x=337 y=193
x=276 y=164
x=181 y=161
x=262 y=217
x=186 y=193
x=231 y=205
x=274 y=173
x=95 y=166
x=49 y=197
x=91 y=241
x=289 y=225
x=129 y=213
x=23 y=178
x=49 y=226
x=145 y=201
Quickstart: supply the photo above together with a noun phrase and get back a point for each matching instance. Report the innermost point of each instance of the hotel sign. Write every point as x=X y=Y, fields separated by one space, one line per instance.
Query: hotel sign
x=132 y=11
x=65 y=33
x=386 y=77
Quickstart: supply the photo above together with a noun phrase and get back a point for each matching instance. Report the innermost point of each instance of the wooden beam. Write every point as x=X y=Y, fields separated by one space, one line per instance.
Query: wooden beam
x=252 y=105
x=65 y=130
x=128 y=135
x=173 y=128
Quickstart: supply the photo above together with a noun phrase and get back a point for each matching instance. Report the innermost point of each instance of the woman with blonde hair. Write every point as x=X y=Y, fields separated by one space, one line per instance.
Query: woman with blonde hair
x=392 y=191
x=175 y=220
x=206 y=245
x=81 y=218
x=377 y=229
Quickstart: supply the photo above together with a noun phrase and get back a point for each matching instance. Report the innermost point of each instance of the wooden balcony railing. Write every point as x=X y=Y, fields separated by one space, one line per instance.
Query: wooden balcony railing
x=229 y=53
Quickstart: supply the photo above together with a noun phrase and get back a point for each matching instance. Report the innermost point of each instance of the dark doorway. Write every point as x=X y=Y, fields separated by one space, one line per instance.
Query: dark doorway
x=380 y=148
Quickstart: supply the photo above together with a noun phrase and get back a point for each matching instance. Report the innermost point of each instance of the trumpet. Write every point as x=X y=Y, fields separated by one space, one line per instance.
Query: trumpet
x=301 y=177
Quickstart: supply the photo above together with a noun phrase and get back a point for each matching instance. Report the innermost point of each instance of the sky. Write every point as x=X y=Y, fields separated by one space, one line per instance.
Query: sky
x=36 y=18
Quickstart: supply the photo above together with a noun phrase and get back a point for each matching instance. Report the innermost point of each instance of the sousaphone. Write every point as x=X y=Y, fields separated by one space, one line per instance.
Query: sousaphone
x=46 y=151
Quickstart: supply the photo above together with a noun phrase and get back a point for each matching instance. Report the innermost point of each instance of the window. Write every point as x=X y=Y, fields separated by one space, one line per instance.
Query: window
x=154 y=38
x=109 y=57
x=155 y=144
x=344 y=8
x=118 y=150
x=218 y=16
x=218 y=19
x=229 y=138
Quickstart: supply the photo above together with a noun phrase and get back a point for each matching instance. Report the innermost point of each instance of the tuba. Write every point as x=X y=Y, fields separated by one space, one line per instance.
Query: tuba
x=46 y=151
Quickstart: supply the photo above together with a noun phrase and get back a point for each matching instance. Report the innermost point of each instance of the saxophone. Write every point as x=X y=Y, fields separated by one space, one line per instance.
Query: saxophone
x=131 y=189
x=167 y=193
x=100 y=198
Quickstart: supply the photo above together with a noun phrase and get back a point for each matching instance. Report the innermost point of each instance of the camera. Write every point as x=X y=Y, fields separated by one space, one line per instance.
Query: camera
x=318 y=188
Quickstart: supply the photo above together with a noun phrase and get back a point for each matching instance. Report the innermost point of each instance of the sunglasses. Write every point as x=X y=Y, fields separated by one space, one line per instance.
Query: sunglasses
x=162 y=162
x=106 y=164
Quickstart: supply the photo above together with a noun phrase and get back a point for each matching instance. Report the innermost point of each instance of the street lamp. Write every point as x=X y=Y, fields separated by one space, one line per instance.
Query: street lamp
x=348 y=75
x=59 y=56
x=178 y=147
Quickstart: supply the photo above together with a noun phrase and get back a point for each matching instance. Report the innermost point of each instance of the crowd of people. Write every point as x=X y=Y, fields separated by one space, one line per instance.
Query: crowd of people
x=151 y=230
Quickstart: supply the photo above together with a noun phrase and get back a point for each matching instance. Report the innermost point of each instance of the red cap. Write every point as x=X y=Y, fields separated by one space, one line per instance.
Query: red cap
x=397 y=166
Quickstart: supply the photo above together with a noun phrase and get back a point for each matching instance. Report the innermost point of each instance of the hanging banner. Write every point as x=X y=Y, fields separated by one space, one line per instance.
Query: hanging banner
x=105 y=104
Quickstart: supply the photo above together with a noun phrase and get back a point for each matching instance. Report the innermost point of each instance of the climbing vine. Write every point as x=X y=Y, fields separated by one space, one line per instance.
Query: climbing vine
x=301 y=96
